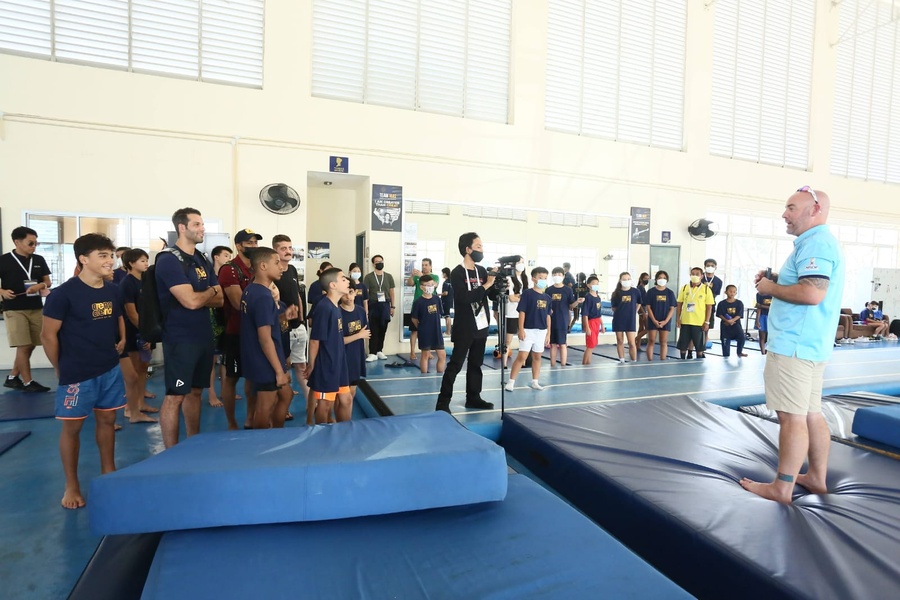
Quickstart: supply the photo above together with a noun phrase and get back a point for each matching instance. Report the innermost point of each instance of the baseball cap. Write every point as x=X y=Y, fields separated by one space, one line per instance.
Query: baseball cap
x=246 y=234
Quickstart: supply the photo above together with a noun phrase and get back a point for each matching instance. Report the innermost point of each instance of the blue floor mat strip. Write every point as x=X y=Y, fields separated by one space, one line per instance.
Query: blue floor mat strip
x=10 y=439
x=16 y=406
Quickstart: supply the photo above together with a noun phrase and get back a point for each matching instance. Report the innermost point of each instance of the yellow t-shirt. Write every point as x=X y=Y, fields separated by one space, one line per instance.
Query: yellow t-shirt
x=694 y=301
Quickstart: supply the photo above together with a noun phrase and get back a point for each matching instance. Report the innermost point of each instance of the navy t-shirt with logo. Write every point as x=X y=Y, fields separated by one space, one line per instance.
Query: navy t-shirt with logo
x=625 y=305
x=560 y=299
x=352 y=322
x=184 y=325
x=258 y=309
x=428 y=312
x=89 y=330
x=592 y=307
x=731 y=310
x=330 y=369
x=536 y=307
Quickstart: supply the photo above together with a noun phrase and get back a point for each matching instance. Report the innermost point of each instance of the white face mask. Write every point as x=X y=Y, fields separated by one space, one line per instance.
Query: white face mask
x=354 y=274
x=626 y=283
x=662 y=282
x=429 y=289
x=710 y=270
x=557 y=279
x=595 y=288
x=520 y=267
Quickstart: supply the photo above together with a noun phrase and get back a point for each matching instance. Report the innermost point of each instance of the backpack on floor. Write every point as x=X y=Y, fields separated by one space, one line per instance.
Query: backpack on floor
x=895 y=327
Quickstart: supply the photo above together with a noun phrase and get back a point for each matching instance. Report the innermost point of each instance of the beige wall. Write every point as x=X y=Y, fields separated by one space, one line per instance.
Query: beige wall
x=92 y=140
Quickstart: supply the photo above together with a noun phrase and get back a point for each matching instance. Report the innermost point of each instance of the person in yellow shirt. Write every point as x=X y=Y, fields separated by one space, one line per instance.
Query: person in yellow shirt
x=695 y=305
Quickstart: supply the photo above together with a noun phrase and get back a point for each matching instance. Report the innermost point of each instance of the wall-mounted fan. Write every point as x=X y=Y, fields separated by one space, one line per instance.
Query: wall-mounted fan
x=279 y=198
x=700 y=230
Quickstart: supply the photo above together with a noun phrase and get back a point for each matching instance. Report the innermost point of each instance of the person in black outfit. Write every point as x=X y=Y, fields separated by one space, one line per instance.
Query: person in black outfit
x=470 y=328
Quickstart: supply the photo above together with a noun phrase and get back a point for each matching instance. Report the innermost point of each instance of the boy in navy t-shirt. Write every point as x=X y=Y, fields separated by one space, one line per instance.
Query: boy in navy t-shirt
x=534 y=328
x=426 y=316
x=592 y=317
x=262 y=353
x=83 y=335
x=355 y=326
x=326 y=371
x=730 y=310
x=562 y=300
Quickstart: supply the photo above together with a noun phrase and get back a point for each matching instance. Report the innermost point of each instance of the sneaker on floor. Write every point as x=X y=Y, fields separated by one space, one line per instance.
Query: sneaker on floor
x=690 y=355
x=479 y=403
x=510 y=387
x=621 y=361
x=371 y=358
x=14 y=383
x=536 y=386
x=444 y=406
x=381 y=356
x=33 y=387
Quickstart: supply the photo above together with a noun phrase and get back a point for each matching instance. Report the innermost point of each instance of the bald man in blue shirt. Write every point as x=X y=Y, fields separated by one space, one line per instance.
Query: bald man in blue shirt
x=803 y=316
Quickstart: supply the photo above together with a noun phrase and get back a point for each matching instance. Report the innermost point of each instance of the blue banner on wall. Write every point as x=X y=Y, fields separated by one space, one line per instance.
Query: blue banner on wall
x=339 y=164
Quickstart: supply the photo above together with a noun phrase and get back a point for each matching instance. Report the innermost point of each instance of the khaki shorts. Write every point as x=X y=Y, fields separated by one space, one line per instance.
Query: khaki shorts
x=23 y=327
x=793 y=385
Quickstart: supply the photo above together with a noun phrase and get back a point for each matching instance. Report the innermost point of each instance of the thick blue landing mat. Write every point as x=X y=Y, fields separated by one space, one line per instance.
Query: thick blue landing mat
x=662 y=476
x=10 y=439
x=531 y=545
x=351 y=469
x=879 y=423
x=22 y=407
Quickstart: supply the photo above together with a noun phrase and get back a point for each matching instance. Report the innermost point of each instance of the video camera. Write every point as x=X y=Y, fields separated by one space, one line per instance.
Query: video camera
x=505 y=269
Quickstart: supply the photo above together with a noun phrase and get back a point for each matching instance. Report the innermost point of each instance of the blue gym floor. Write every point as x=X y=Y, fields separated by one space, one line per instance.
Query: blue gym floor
x=45 y=547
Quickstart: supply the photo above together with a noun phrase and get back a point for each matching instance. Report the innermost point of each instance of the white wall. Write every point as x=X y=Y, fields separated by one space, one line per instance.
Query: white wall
x=86 y=139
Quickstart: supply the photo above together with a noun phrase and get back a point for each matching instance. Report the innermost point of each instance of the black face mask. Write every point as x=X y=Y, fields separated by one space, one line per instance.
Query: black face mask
x=477 y=255
x=645 y=281
x=379 y=266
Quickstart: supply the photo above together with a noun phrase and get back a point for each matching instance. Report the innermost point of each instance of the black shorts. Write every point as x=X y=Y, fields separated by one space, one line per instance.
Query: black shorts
x=407 y=322
x=268 y=386
x=231 y=354
x=187 y=366
x=512 y=325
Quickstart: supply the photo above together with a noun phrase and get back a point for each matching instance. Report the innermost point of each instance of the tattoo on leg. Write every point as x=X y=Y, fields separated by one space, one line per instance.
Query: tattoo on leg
x=783 y=477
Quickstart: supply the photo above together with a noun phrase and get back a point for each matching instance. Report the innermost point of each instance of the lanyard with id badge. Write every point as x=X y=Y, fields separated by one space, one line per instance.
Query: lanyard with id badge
x=481 y=318
x=29 y=281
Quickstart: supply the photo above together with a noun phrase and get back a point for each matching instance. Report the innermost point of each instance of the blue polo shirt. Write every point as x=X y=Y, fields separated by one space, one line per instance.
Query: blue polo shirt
x=807 y=332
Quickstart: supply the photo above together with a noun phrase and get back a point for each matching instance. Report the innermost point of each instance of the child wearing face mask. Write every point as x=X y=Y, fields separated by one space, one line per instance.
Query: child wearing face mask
x=447 y=299
x=659 y=301
x=361 y=297
x=695 y=304
x=426 y=316
x=731 y=310
x=562 y=300
x=591 y=318
x=625 y=303
x=534 y=328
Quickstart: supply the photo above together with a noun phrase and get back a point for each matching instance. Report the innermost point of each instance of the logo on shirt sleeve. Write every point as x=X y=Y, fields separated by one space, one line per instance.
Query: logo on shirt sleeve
x=101 y=310
x=811 y=265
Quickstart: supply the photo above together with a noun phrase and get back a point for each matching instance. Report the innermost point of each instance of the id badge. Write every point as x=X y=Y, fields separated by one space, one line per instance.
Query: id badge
x=30 y=283
x=481 y=320
x=382 y=297
x=690 y=307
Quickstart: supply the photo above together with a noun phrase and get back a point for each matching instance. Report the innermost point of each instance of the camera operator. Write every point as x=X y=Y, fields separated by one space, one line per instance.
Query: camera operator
x=470 y=328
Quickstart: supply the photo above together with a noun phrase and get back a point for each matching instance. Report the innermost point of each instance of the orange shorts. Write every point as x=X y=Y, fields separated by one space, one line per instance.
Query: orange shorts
x=331 y=396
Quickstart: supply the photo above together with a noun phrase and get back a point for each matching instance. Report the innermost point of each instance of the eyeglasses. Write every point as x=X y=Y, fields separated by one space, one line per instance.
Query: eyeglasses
x=811 y=191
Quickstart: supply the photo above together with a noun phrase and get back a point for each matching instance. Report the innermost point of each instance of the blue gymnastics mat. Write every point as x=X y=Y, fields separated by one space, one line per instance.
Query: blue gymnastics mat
x=531 y=545
x=23 y=407
x=662 y=476
x=10 y=439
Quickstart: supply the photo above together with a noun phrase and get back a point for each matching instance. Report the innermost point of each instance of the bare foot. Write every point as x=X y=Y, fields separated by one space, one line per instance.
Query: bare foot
x=149 y=395
x=117 y=427
x=215 y=402
x=814 y=485
x=142 y=418
x=72 y=499
x=742 y=355
x=238 y=397
x=296 y=393
x=149 y=409
x=766 y=490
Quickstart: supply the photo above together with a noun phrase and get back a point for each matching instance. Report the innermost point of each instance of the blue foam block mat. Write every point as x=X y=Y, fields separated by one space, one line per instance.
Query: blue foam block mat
x=351 y=469
x=11 y=438
x=531 y=545
x=879 y=423
x=22 y=407
x=662 y=476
